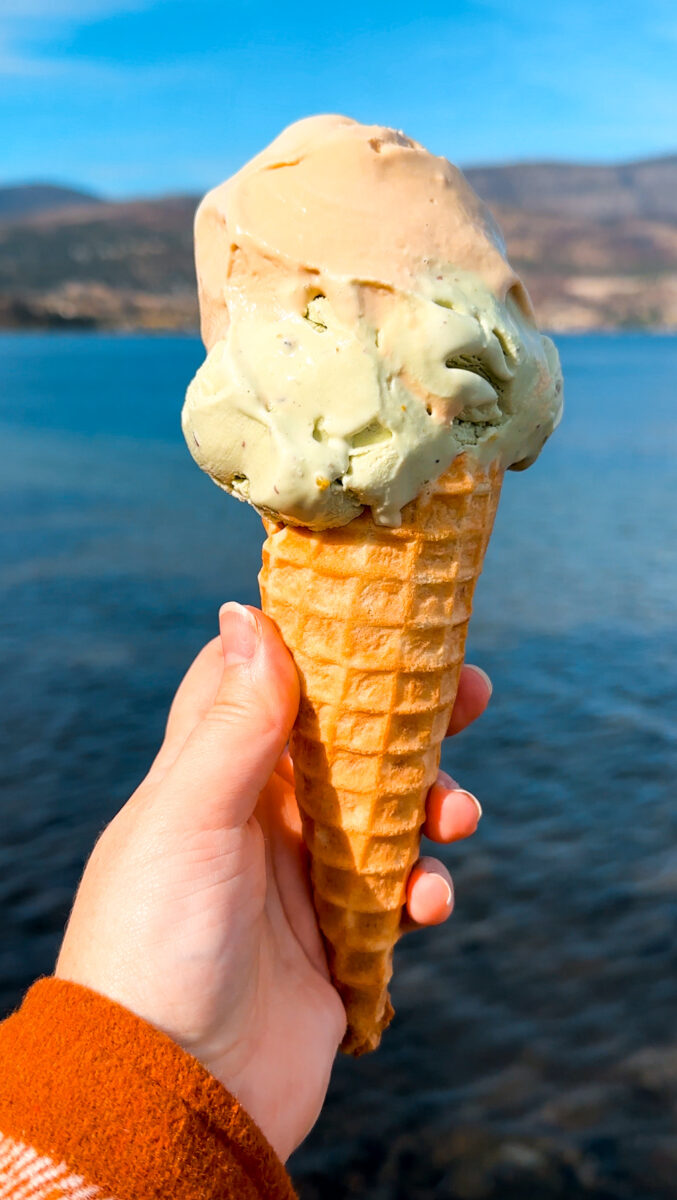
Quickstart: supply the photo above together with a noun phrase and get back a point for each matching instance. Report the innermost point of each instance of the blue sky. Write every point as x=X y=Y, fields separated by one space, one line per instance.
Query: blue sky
x=147 y=96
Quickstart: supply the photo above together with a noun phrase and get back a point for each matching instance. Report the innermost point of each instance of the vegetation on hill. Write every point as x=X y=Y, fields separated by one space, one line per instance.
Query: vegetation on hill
x=596 y=245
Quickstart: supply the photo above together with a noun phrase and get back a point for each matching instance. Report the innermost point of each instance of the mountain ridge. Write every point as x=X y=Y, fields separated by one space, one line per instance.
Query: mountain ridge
x=22 y=199
x=595 y=244
x=490 y=179
x=646 y=188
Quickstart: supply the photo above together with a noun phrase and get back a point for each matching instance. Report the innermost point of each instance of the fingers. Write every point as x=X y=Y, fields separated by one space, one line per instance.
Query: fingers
x=195 y=696
x=430 y=893
x=474 y=692
x=451 y=812
x=232 y=751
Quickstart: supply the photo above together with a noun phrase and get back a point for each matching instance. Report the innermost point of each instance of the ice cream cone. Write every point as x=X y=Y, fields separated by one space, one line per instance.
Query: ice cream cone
x=364 y=331
x=376 y=620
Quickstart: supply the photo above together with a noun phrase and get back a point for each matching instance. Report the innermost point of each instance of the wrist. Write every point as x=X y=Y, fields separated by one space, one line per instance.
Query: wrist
x=97 y=1070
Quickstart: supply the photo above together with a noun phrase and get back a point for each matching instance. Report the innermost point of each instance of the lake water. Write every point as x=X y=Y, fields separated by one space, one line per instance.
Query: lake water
x=533 y=1055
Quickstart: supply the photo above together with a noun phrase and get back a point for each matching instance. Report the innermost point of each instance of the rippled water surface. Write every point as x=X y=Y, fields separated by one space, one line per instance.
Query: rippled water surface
x=533 y=1053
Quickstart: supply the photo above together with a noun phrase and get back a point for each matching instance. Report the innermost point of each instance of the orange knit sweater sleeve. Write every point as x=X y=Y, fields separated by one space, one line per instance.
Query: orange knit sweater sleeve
x=95 y=1104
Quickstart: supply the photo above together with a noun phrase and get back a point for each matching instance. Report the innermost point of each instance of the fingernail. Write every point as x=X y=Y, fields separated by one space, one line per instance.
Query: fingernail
x=478 y=806
x=450 y=895
x=485 y=677
x=240 y=633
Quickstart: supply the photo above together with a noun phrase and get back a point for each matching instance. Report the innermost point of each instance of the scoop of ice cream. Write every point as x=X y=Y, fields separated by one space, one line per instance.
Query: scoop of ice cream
x=363 y=328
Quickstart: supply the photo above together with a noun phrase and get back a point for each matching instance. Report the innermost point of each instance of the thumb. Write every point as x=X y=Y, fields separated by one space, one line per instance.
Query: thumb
x=231 y=753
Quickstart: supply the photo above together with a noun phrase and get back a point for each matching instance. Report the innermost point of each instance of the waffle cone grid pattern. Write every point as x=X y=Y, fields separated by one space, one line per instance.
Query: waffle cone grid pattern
x=376 y=620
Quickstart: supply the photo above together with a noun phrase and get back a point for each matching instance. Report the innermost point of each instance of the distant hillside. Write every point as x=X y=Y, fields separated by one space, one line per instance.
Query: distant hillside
x=120 y=265
x=597 y=247
x=645 y=189
x=24 y=199
x=134 y=244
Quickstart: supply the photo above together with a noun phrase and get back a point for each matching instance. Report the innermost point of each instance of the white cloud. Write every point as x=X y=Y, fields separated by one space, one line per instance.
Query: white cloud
x=71 y=11
x=26 y=24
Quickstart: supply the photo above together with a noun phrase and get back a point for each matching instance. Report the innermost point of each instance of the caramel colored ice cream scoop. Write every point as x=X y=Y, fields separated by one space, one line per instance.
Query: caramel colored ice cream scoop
x=363 y=328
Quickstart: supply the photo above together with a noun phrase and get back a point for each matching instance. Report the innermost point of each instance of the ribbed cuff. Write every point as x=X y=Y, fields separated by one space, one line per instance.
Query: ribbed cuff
x=87 y=1083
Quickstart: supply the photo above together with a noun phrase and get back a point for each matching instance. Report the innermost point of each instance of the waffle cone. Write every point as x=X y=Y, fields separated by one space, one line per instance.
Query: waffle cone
x=376 y=620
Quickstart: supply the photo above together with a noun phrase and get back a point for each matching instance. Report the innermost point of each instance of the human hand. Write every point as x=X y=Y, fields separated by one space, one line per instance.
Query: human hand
x=195 y=909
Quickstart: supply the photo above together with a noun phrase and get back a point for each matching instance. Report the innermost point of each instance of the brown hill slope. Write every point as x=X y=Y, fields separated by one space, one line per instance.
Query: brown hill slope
x=593 y=193
x=597 y=247
x=114 y=265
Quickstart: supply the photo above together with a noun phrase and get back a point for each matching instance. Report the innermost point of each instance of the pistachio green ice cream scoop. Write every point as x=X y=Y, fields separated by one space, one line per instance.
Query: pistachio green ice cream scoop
x=363 y=329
